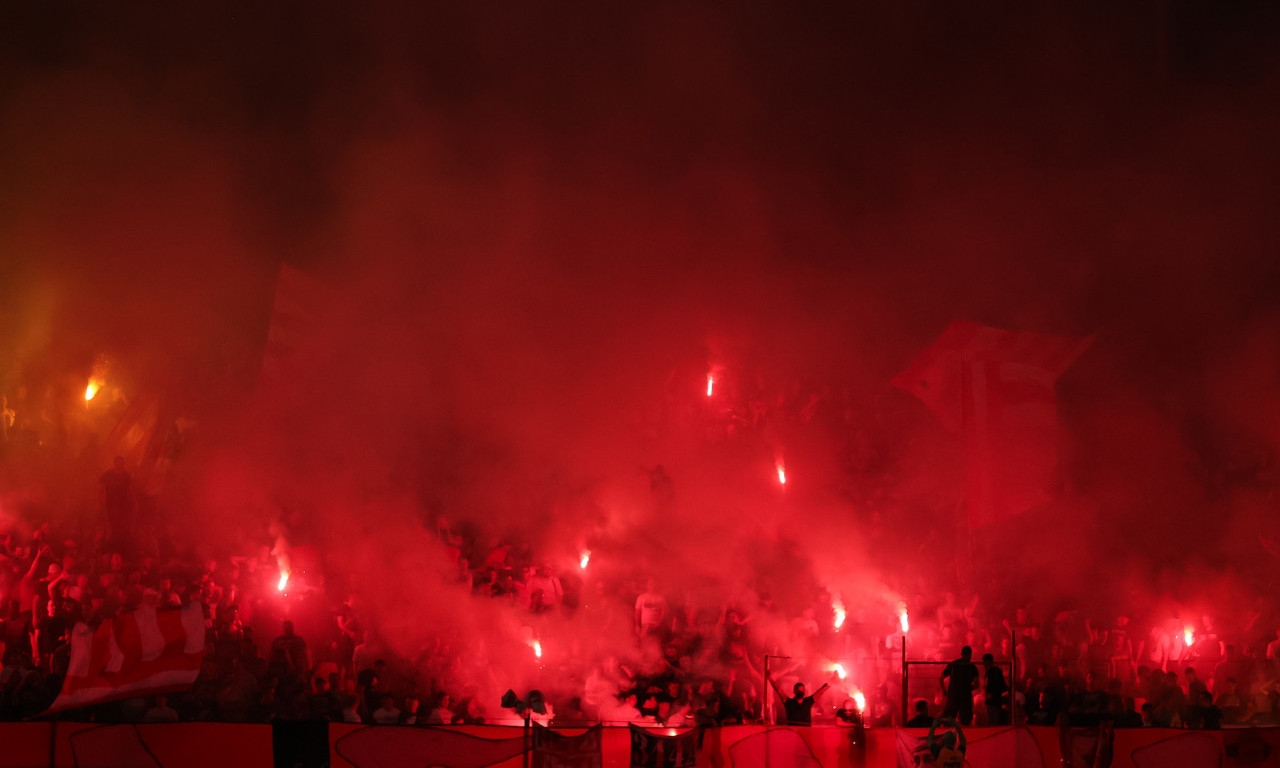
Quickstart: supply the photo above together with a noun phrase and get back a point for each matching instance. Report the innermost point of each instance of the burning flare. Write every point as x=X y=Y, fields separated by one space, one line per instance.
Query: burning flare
x=782 y=475
x=1188 y=636
x=839 y=670
x=91 y=390
x=839 y=609
x=537 y=649
x=902 y=618
x=711 y=384
x=284 y=580
x=585 y=559
x=859 y=701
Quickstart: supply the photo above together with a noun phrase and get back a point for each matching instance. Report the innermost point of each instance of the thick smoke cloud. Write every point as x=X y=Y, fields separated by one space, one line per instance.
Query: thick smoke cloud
x=542 y=228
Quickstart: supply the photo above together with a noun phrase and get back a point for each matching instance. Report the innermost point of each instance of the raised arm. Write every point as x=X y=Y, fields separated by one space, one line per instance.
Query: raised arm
x=774 y=684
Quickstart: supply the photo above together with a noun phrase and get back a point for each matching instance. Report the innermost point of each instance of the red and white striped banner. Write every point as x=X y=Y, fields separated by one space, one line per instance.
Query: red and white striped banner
x=140 y=653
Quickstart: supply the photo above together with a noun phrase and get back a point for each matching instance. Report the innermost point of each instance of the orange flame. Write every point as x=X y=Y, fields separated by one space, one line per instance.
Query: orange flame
x=1188 y=636
x=91 y=390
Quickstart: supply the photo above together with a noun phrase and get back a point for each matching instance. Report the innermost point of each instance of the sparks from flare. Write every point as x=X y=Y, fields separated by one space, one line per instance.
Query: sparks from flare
x=838 y=607
x=585 y=559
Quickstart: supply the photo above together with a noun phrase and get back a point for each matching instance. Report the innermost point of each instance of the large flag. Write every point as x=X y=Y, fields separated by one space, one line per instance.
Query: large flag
x=772 y=748
x=996 y=388
x=134 y=434
x=385 y=746
x=993 y=749
x=300 y=306
x=555 y=750
x=144 y=652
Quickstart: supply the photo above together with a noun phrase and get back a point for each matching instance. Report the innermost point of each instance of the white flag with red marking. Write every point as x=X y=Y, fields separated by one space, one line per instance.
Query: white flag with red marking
x=996 y=388
x=144 y=652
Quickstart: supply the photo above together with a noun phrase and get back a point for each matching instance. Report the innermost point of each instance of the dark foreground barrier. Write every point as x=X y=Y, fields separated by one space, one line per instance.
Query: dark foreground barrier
x=219 y=745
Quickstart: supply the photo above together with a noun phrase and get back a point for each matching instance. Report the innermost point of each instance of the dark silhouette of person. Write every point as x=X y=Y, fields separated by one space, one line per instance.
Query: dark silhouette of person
x=959 y=679
x=994 y=691
x=799 y=708
x=921 y=719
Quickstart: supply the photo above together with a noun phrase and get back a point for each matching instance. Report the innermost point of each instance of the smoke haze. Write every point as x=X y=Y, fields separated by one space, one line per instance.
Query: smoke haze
x=541 y=228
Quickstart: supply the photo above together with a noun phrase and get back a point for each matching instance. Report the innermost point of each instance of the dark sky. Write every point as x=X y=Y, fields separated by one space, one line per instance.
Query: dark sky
x=1046 y=161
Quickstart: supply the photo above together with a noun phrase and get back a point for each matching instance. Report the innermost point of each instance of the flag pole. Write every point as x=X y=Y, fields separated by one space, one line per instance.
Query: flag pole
x=904 y=680
x=964 y=567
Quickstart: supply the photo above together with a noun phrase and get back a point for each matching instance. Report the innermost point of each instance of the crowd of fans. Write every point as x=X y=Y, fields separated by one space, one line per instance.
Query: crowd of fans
x=313 y=652
x=687 y=663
